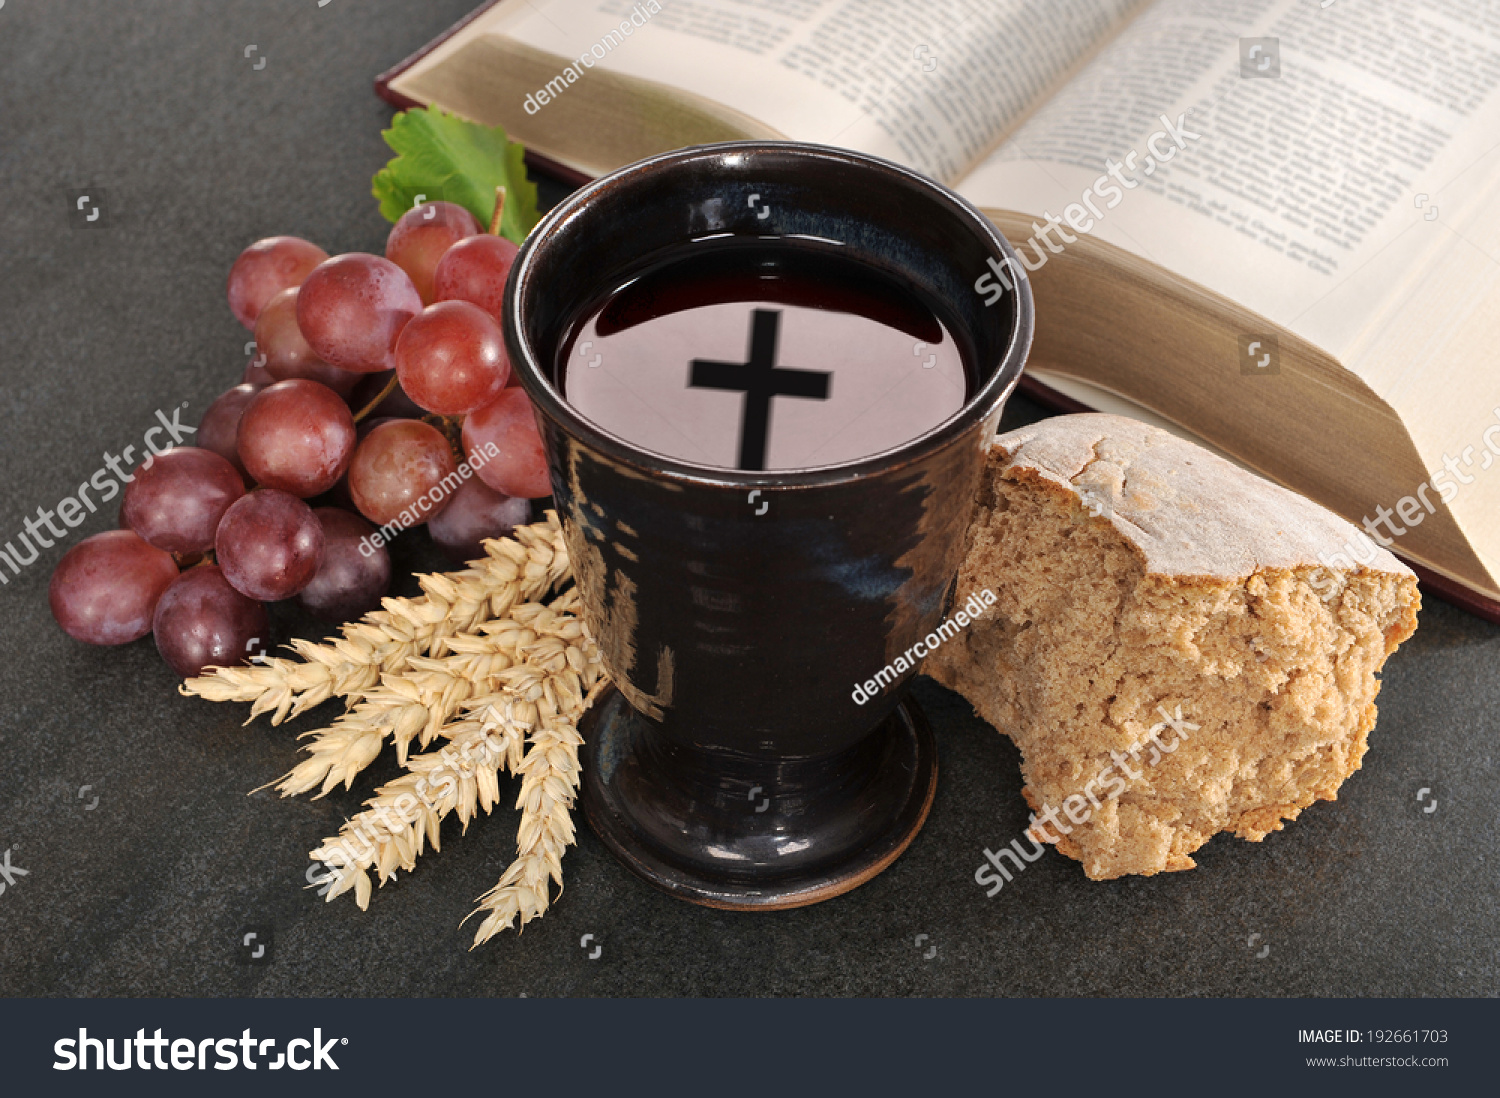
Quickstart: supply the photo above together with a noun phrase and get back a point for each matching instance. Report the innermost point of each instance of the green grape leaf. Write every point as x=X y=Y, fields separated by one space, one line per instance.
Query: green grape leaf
x=442 y=156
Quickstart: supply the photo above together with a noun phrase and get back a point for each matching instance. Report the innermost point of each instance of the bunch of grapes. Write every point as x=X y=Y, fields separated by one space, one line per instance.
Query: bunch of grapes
x=376 y=380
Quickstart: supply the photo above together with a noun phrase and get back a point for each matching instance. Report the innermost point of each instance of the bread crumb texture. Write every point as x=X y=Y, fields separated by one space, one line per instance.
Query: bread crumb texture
x=1138 y=575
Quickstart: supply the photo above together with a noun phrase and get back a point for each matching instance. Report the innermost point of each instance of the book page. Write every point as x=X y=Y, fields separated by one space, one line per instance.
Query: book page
x=1434 y=357
x=1283 y=153
x=932 y=85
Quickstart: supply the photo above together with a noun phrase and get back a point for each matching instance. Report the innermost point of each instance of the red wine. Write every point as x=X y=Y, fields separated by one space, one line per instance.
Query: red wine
x=763 y=355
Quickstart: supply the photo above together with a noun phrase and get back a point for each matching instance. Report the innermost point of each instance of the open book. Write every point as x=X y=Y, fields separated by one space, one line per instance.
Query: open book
x=1273 y=225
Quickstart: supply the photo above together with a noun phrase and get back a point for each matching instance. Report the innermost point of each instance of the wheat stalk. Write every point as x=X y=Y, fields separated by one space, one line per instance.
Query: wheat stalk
x=477 y=662
x=405 y=814
x=549 y=782
x=554 y=666
x=385 y=641
x=413 y=705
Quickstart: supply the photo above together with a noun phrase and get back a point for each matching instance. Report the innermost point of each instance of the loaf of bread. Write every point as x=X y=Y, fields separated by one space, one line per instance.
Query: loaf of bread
x=1166 y=647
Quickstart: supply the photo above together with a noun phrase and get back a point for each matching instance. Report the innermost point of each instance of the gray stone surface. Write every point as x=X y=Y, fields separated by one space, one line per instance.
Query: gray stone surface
x=156 y=108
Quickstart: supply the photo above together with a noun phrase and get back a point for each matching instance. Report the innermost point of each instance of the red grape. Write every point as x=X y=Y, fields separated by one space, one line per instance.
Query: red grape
x=475 y=270
x=505 y=448
x=105 y=589
x=338 y=495
x=202 y=622
x=297 y=436
x=476 y=512
x=421 y=237
x=398 y=464
x=287 y=354
x=176 y=499
x=264 y=269
x=270 y=545
x=356 y=572
x=352 y=308
x=451 y=358
x=220 y=425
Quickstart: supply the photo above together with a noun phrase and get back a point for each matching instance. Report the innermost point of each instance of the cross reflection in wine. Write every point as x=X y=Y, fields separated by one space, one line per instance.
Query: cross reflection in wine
x=771 y=355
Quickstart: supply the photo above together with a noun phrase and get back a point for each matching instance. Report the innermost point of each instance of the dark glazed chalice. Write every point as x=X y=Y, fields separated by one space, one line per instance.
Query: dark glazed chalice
x=740 y=608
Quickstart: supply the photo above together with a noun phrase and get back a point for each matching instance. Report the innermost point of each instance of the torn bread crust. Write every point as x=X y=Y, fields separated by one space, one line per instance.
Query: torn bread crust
x=1136 y=575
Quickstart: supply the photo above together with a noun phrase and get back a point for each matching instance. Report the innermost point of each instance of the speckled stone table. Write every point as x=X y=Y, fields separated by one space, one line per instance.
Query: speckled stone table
x=189 y=148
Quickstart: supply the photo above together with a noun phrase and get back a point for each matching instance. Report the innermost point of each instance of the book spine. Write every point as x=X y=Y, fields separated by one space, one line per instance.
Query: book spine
x=535 y=161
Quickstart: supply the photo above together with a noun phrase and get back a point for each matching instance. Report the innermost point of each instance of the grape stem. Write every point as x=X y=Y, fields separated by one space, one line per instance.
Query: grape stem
x=387 y=391
x=452 y=430
x=499 y=211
